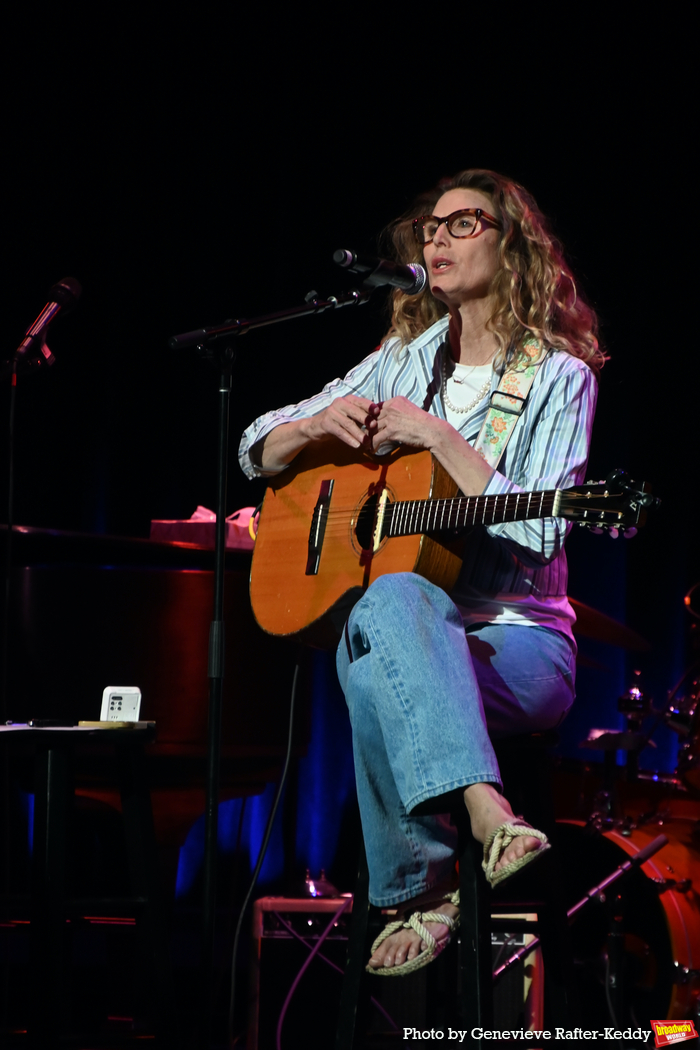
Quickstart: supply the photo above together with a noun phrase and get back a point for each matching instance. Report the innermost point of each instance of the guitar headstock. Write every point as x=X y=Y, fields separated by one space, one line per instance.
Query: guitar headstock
x=617 y=505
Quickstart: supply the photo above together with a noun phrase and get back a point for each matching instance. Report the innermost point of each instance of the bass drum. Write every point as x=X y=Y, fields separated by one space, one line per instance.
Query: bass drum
x=661 y=908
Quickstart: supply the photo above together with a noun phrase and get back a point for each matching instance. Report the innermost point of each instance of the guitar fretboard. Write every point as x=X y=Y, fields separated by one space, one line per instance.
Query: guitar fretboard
x=409 y=517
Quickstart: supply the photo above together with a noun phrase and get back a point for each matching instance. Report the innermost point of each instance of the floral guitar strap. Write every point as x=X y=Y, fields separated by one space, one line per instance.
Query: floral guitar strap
x=508 y=402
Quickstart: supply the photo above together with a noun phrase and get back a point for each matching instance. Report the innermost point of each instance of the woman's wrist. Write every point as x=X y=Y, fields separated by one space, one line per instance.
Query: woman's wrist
x=460 y=459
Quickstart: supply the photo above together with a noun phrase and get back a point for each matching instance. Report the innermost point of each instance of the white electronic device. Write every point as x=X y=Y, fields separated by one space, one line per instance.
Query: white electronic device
x=121 y=703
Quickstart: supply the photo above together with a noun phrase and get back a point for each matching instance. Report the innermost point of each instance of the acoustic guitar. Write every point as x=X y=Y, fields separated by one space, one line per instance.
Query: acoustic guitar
x=336 y=519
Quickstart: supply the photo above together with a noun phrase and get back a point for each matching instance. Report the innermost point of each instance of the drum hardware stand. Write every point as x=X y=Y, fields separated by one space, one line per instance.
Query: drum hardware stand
x=610 y=741
x=615 y=967
x=597 y=893
x=682 y=715
x=635 y=705
x=204 y=341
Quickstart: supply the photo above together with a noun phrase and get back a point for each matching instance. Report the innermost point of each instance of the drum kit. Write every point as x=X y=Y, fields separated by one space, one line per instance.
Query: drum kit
x=636 y=942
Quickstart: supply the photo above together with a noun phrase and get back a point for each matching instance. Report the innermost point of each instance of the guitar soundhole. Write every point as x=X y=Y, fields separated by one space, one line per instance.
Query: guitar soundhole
x=364 y=527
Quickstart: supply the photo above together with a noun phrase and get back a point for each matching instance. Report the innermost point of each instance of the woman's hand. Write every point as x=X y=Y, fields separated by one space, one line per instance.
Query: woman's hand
x=401 y=421
x=344 y=419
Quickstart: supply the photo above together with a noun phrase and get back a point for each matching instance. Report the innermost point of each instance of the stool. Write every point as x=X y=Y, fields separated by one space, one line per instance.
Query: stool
x=526 y=773
x=54 y=752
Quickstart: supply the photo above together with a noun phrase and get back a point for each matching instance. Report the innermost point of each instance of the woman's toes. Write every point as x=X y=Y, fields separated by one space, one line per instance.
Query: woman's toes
x=396 y=950
x=517 y=849
x=405 y=945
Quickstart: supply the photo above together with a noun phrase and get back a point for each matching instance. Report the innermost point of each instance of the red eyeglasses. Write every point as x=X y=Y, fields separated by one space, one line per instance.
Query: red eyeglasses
x=463 y=223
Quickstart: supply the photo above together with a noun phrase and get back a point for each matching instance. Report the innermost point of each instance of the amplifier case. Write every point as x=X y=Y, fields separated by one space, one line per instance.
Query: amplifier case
x=277 y=956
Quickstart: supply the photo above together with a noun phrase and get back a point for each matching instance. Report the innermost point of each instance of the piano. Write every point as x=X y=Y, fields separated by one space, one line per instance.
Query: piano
x=89 y=611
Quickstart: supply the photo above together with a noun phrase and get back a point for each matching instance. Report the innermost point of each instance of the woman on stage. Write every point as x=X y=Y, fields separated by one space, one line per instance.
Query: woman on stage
x=429 y=678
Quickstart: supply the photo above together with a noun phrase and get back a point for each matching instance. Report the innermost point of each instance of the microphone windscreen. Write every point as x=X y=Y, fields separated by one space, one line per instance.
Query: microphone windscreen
x=343 y=257
x=66 y=293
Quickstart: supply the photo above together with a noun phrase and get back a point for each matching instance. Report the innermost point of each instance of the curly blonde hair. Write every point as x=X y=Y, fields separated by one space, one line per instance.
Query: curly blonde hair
x=534 y=290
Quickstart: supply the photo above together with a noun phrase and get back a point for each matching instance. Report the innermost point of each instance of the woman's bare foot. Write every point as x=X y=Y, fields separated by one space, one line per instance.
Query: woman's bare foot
x=405 y=945
x=487 y=810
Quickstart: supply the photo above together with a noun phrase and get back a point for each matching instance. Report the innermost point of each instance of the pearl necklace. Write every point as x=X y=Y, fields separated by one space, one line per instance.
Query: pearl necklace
x=461 y=409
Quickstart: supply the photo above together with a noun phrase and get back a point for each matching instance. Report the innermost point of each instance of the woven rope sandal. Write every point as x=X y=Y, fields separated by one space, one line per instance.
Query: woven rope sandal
x=415 y=922
x=499 y=841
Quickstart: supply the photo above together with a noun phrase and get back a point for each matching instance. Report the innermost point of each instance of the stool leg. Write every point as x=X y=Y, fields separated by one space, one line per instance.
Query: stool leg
x=557 y=956
x=475 y=980
x=354 y=997
x=560 y=999
x=527 y=780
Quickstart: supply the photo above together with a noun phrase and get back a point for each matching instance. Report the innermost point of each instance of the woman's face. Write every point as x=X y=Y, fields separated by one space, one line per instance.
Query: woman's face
x=462 y=268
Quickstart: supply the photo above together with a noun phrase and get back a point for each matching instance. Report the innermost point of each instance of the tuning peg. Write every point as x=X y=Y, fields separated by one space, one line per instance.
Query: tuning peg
x=596 y=529
x=613 y=533
x=630 y=532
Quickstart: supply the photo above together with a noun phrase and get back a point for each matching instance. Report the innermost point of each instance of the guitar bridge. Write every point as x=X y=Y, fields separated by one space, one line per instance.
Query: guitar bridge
x=317 y=531
x=379 y=523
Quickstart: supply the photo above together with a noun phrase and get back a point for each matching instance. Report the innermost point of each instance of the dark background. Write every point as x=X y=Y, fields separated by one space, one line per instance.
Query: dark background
x=191 y=167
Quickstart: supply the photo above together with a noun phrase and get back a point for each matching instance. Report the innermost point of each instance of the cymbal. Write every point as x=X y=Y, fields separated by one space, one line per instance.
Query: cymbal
x=601 y=628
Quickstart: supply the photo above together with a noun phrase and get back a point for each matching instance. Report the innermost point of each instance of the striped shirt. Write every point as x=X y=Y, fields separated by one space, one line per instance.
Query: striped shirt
x=513 y=572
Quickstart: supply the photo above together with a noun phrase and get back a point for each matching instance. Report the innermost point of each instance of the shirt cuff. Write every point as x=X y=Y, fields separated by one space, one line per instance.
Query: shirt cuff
x=251 y=437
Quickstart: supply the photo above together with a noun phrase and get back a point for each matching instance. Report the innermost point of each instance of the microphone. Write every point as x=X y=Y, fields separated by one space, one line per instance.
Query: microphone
x=409 y=277
x=63 y=296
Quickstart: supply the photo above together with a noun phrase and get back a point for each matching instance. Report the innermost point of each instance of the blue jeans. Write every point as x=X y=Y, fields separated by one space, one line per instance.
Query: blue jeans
x=423 y=698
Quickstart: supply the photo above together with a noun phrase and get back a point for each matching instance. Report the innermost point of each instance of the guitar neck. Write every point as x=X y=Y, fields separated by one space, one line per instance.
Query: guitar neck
x=410 y=517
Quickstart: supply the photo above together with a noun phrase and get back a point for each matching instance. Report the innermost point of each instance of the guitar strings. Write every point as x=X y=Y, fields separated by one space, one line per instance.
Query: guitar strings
x=414 y=516
x=458 y=504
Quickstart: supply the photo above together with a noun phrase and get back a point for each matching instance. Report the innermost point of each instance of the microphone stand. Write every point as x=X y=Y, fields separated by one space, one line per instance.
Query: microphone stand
x=205 y=337
x=10 y=368
x=205 y=340
x=4 y=699
x=40 y=355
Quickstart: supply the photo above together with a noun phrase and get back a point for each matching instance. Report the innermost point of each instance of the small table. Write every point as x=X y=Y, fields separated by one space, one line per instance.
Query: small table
x=55 y=750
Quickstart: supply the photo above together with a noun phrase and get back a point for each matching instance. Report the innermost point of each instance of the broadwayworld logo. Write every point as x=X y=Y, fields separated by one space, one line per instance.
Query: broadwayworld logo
x=666 y=1033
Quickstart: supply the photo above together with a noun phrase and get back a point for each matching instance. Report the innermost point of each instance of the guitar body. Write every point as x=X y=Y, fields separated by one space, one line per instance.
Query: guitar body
x=285 y=599
x=337 y=519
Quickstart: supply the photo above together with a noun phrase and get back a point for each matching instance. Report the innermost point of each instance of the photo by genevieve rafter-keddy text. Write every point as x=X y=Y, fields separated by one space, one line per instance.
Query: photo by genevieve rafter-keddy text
x=659 y=1033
